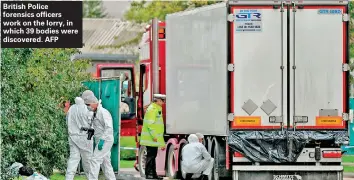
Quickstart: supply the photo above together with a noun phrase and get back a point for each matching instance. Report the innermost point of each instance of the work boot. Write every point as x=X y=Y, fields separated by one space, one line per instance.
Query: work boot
x=152 y=177
x=203 y=177
x=189 y=176
x=149 y=177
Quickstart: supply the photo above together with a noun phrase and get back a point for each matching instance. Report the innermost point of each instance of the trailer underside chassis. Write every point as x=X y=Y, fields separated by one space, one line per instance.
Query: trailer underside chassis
x=288 y=172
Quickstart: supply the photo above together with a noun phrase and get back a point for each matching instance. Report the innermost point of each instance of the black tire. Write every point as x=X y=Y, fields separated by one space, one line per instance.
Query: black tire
x=171 y=170
x=142 y=160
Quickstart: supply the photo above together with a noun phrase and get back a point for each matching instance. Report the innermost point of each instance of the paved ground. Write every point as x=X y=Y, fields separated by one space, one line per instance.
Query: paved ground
x=348 y=176
x=131 y=174
x=128 y=174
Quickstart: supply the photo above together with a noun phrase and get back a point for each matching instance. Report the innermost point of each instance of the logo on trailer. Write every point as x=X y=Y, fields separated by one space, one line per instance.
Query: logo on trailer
x=248 y=20
x=248 y=15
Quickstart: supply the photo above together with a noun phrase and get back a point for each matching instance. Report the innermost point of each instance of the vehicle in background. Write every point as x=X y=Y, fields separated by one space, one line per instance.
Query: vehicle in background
x=114 y=65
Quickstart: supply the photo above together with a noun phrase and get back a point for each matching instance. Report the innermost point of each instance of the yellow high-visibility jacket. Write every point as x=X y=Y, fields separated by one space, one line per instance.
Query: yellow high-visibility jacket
x=153 y=127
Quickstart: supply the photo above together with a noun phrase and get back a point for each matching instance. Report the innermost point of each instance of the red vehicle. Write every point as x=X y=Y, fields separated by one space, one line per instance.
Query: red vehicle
x=128 y=119
x=113 y=65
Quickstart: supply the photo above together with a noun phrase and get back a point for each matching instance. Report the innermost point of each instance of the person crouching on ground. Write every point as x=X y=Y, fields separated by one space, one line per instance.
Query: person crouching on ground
x=196 y=159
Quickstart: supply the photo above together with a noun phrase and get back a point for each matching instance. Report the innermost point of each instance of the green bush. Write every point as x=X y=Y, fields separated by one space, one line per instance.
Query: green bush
x=33 y=126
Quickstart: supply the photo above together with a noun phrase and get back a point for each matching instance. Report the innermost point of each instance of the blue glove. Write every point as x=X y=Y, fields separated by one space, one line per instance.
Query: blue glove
x=100 y=144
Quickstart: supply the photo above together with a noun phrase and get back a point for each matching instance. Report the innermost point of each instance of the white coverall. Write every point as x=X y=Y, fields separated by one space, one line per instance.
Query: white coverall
x=195 y=157
x=103 y=125
x=78 y=117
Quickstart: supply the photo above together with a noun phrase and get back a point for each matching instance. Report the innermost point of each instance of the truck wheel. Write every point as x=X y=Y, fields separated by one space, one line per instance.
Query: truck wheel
x=142 y=160
x=171 y=163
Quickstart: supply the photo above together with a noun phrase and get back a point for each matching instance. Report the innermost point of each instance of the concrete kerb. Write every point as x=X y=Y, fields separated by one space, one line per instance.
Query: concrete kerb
x=348 y=175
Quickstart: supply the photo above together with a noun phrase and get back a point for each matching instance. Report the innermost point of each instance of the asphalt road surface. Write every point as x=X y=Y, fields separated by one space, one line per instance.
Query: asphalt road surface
x=348 y=176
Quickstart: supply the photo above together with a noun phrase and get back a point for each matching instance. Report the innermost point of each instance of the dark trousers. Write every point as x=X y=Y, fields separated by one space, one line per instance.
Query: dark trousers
x=150 y=166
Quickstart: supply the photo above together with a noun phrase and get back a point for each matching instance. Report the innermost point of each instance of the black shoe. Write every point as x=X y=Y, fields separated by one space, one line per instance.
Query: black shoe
x=152 y=177
x=203 y=177
x=189 y=176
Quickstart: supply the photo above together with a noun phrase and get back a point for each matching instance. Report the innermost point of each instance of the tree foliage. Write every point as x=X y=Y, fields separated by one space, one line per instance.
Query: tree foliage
x=93 y=9
x=143 y=11
x=33 y=126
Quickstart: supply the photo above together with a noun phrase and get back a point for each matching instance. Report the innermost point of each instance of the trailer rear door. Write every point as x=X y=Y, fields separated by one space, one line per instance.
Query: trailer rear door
x=258 y=54
x=318 y=55
x=288 y=64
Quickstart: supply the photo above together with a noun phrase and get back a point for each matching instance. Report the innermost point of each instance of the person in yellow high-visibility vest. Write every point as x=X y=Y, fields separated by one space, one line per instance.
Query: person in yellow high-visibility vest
x=152 y=134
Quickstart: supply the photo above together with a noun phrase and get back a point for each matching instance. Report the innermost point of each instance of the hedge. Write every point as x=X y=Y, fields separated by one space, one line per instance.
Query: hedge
x=33 y=126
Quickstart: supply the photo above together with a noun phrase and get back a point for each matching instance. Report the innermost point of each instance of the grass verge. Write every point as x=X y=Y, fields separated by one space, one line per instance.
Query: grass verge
x=348 y=159
x=127 y=154
x=60 y=176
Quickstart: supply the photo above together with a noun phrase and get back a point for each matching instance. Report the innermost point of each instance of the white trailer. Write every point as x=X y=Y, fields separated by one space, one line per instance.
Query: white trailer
x=266 y=82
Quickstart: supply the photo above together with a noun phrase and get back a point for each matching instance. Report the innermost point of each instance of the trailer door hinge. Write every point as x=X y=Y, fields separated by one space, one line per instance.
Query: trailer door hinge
x=230 y=116
x=345 y=116
x=345 y=67
x=230 y=17
x=345 y=17
x=231 y=67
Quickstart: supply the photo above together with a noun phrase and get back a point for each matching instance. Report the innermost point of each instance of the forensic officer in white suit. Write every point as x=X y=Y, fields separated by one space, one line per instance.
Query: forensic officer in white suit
x=103 y=135
x=195 y=159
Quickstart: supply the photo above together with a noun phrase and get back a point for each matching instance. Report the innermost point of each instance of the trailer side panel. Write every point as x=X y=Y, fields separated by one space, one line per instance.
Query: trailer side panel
x=196 y=71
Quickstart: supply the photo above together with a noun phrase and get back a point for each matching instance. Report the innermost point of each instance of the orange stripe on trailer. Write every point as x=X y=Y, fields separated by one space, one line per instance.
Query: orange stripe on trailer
x=247 y=121
x=329 y=121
